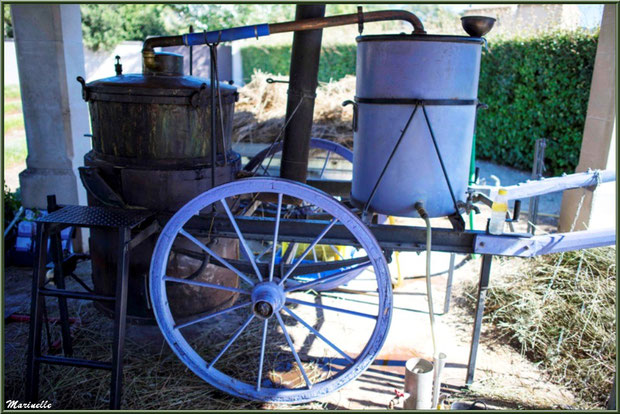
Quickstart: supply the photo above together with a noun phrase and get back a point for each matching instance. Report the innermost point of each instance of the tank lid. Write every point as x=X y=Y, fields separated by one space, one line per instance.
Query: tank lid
x=165 y=89
x=420 y=38
x=138 y=84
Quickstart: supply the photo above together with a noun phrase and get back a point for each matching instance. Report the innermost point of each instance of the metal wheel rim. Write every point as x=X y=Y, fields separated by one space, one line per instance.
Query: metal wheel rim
x=237 y=387
x=315 y=143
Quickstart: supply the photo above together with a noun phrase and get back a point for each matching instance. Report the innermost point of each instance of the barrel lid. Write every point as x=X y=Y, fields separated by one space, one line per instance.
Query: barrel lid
x=420 y=38
x=155 y=89
x=153 y=85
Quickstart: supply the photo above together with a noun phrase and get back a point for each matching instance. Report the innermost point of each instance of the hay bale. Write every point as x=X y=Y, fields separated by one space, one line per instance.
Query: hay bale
x=259 y=114
x=153 y=377
x=559 y=311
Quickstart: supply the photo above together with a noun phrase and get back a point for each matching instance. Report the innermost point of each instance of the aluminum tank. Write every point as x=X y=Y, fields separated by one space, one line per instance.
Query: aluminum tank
x=393 y=71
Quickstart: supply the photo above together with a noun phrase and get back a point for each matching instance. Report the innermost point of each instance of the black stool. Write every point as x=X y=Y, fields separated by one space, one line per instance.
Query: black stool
x=49 y=227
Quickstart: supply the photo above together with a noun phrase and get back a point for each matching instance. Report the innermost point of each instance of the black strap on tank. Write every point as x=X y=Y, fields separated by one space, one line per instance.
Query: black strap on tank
x=456 y=219
x=414 y=101
x=389 y=160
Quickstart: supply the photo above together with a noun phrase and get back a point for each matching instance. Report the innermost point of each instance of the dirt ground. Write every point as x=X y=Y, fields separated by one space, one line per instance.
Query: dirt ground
x=504 y=379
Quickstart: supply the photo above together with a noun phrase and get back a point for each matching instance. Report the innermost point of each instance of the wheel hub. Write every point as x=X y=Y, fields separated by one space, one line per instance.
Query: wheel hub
x=267 y=299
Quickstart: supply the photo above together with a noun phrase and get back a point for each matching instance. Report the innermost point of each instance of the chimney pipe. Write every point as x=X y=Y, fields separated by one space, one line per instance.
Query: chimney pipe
x=303 y=81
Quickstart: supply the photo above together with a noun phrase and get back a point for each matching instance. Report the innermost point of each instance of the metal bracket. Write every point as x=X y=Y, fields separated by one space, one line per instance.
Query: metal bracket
x=457 y=221
x=97 y=187
x=355 y=112
x=200 y=98
x=360 y=20
x=516 y=212
x=85 y=94
x=272 y=80
x=144 y=234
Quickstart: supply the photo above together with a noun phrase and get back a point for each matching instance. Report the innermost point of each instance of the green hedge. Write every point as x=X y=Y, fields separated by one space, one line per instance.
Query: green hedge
x=336 y=61
x=535 y=88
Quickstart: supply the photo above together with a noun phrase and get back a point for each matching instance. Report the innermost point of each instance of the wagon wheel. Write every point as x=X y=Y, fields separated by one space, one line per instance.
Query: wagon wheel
x=261 y=161
x=279 y=340
x=332 y=151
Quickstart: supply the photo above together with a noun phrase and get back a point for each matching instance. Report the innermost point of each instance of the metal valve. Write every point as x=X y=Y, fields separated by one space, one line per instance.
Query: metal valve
x=118 y=67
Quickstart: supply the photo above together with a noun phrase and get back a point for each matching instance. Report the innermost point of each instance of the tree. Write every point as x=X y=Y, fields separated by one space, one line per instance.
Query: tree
x=106 y=25
x=142 y=20
x=436 y=19
x=220 y=16
x=100 y=26
x=7 y=22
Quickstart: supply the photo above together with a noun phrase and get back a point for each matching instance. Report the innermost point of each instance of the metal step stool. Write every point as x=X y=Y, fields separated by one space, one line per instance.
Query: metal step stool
x=49 y=227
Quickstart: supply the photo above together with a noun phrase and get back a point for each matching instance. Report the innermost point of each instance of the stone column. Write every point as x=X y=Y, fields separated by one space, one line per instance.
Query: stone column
x=598 y=209
x=48 y=42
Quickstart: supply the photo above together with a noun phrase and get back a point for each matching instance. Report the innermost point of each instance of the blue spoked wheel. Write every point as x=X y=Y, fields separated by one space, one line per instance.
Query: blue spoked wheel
x=277 y=339
x=328 y=151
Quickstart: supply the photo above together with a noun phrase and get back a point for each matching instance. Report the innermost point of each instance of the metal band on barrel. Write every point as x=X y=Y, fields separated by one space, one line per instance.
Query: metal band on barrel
x=413 y=101
x=151 y=99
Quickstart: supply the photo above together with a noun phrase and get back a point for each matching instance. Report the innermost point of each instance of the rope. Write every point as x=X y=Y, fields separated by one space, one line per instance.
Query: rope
x=429 y=291
x=278 y=138
x=213 y=54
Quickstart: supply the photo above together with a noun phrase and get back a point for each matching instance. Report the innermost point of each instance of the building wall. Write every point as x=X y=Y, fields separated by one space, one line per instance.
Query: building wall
x=100 y=64
x=11 y=76
x=529 y=18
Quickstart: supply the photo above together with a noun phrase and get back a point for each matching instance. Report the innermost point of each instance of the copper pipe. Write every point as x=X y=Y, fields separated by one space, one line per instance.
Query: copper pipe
x=309 y=24
x=148 y=54
x=297 y=25
x=345 y=19
x=162 y=41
